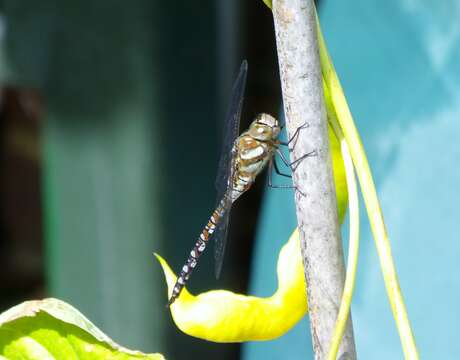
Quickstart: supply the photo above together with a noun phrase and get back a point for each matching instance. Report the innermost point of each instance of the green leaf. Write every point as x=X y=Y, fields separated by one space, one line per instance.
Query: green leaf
x=268 y=3
x=52 y=329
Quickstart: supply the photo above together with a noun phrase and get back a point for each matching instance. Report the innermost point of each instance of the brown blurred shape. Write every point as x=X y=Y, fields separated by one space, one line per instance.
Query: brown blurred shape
x=21 y=241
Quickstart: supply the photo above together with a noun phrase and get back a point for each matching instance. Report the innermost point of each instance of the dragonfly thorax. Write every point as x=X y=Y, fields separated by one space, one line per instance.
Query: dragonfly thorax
x=264 y=128
x=253 y=149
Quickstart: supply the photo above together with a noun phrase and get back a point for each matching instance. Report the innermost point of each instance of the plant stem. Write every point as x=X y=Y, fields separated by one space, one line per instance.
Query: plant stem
x=371 y=201
x=316 y=202
x=353 y=243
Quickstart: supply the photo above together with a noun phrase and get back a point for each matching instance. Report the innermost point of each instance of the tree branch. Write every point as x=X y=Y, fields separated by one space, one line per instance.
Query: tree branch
x=316 y=202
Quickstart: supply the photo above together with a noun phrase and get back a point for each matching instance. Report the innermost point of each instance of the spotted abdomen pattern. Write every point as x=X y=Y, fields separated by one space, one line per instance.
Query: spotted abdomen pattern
x=198 y=249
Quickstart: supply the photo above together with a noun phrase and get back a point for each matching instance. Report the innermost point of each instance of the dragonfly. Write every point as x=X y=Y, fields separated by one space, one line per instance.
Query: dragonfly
x=243 y=157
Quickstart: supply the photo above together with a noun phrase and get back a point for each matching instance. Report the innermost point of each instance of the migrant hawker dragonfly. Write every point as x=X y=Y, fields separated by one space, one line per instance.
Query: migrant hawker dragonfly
x=243 y=158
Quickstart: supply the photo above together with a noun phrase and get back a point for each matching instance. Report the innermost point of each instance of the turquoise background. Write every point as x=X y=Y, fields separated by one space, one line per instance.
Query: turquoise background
x=399 y=63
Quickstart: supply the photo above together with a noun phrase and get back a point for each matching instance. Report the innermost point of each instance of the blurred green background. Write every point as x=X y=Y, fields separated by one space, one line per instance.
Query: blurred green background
x=111 y=116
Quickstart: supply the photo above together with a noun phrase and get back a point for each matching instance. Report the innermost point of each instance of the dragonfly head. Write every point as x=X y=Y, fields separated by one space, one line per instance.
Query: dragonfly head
x=265 y=128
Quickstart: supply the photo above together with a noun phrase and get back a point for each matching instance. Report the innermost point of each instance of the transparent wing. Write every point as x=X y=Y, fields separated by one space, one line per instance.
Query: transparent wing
x=224 y=172
x=221 y=235
x=231 y=131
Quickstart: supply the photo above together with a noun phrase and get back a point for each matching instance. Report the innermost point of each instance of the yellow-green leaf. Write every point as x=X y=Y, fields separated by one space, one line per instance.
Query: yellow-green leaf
x=224 y=316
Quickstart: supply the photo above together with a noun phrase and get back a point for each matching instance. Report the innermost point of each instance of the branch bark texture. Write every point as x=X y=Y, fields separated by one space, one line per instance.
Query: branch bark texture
x=316 y=203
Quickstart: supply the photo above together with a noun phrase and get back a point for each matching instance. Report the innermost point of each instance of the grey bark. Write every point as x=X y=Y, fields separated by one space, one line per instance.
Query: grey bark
x=316 y=202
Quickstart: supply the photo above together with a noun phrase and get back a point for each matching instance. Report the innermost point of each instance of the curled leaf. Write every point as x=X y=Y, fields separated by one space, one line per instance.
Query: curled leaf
x=224 y=316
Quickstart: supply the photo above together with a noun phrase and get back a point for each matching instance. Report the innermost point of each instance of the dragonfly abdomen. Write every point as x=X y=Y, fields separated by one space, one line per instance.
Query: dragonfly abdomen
x=198 y=249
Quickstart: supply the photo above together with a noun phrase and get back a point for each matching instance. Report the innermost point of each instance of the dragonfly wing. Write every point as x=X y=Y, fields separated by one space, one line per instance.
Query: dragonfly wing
x=220 y=237
x=231 y=130
x=225 y=169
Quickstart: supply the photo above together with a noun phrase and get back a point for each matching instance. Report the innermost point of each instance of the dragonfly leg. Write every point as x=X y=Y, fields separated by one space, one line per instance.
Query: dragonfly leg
x=293 y=165
x=272 y=164
x=277 y=170
x=295 y=136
